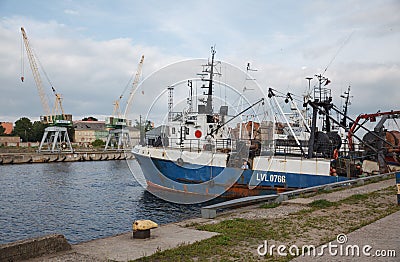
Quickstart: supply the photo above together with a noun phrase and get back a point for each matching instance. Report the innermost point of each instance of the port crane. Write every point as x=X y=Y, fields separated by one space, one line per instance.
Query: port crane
x=117 y=123
x=55 y=137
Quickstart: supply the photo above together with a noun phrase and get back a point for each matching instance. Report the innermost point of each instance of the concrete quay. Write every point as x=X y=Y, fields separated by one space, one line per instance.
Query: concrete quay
x=382 y=236
x=31 y=158
x=124 y=248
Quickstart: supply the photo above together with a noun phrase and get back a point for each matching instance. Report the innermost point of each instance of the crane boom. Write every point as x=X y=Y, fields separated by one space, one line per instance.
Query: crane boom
x=116 y=121
x=116 y=111
x=366 y=117
x=36 y=75
x=57 y=103
x=134 y=86
x=51 y=116
x=118 y=124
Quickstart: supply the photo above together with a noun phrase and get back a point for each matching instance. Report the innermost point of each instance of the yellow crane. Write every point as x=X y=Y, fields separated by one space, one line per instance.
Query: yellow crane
x=117 y=122
x=56 y=135
x=52 y=117
x=134 y=86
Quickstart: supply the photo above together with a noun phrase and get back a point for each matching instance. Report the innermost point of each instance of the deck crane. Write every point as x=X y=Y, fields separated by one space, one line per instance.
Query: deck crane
x=55 y=137
x=117 y=123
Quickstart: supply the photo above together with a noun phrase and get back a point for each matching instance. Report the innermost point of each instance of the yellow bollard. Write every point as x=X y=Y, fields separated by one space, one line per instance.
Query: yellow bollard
x=141 y=228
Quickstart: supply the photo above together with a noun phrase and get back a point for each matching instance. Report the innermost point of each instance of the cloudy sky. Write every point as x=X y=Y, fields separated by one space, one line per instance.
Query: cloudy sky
x=90 y=49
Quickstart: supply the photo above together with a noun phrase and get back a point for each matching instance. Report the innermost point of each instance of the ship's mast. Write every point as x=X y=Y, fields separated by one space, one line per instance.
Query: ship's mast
x=209 y=106
x=170 y=102
x=346 y=96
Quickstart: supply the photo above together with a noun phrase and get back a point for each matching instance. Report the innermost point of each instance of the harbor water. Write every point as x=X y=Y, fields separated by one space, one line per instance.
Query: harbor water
x=81 y=200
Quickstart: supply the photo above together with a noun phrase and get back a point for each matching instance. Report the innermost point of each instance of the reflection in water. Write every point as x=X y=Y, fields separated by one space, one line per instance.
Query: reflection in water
x=82 y=200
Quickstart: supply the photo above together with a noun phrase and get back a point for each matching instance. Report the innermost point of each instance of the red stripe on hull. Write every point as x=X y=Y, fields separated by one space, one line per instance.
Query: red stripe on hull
x=236 y=190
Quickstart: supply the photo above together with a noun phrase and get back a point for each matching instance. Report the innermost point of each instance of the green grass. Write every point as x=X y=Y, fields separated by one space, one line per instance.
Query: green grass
x=322 y=203
x=355 y=199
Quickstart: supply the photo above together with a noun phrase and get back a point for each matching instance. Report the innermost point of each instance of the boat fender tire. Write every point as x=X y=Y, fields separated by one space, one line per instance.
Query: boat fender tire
x=179 y=161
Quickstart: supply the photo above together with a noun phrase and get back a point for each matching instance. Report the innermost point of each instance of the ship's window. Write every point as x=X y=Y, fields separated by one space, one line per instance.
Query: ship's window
x=187 y=131
x=173 y=130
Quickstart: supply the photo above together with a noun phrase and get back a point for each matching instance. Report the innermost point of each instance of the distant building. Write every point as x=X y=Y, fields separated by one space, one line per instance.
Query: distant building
x=134 y=134
x=88 y=131
x=161 y=132
x=8 y=126
x=10 y=140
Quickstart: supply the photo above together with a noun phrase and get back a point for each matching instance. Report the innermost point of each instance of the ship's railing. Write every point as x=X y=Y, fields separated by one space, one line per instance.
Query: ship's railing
x=176 y=116
x=191 y=145
x=322 y=94
x=196 y=145
x=289 y=147
x=277 y=146
x=223 y=143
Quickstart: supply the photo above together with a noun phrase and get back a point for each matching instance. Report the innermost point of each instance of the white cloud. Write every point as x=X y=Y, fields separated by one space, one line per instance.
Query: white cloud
x=89 y=74
x=91 y=69
x=71 y=12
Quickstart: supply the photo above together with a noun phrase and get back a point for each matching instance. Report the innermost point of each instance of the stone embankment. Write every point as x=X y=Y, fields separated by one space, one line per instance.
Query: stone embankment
x=28 y=158
x=33 y=247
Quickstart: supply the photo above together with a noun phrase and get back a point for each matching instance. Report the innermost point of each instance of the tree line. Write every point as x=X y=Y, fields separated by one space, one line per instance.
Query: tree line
x=28 y=131
x=33 y=132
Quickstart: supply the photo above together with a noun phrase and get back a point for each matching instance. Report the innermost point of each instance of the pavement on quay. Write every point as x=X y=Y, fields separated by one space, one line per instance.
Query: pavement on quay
x=372 y=241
